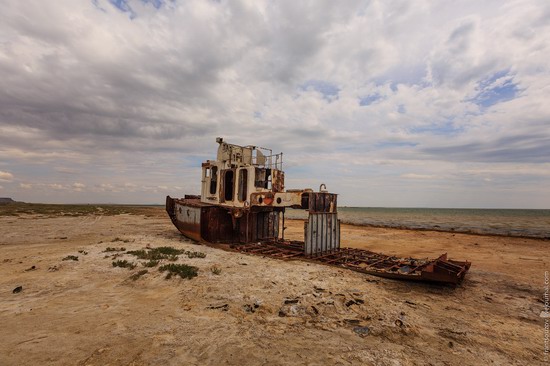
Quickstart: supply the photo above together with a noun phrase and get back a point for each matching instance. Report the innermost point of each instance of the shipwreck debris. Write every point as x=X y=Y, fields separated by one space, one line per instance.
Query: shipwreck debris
x=242 y=206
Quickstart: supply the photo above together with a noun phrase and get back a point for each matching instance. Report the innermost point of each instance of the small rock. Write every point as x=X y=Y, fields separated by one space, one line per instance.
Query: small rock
x=30 y=269
x=249 y=308
x=17 y=289
x=362 y=331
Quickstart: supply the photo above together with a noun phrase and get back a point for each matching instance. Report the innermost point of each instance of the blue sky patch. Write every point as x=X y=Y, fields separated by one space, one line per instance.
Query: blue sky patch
x=498 y=88
x=447 y=128
x=329 y=91
x=370 y=99
x=124 y=6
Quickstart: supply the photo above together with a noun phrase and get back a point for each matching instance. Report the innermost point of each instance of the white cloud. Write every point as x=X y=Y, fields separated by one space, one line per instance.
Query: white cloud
x=5 y=176
x=78 y=187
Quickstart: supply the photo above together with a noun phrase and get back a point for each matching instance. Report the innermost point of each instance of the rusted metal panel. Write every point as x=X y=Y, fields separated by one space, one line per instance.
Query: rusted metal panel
x=321 y=233
x=278 y=181
x=217 y=225
x=189 y=220
x=259 y=226
x=322 y=202
x=440 y=270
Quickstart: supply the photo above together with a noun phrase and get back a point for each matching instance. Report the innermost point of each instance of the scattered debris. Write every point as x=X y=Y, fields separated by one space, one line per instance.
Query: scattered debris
x=53 y=269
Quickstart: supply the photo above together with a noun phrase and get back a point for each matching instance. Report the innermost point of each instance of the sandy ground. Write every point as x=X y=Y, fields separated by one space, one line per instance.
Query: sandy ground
x=259 y=310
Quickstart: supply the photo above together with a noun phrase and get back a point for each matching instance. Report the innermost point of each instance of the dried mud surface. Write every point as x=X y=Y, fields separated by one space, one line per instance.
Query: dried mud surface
x=259 y=310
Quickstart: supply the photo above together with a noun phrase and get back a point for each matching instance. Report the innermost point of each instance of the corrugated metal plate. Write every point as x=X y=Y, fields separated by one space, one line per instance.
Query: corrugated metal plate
x=322 y=233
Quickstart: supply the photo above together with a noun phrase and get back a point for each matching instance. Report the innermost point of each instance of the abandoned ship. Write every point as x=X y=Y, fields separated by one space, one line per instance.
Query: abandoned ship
x=242 y=205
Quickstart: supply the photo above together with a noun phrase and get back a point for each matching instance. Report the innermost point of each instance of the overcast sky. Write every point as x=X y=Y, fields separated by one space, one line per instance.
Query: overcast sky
x=389 y=103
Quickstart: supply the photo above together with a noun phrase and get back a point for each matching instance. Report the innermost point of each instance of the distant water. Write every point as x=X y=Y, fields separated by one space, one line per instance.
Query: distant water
x=510 y=222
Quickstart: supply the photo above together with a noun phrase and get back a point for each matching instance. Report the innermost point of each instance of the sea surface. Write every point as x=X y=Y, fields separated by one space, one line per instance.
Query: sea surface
x=508 y=222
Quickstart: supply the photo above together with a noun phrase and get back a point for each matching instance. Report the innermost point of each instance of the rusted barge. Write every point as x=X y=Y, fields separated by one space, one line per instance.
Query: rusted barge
x=242 y=204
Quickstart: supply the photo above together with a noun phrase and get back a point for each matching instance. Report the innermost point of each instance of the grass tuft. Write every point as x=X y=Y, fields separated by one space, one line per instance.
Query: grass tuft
x=111 y=249
x=168 y=253
x=137 y=275
x=216 y=270
x=195 y=254
x=124 y=264
x=182 y=270
x=70 y=258
x=120 y=239
x=151 y=263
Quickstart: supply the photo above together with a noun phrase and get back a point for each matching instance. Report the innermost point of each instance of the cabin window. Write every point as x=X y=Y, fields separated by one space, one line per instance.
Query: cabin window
x=214 y=180
x=228 y=185
x=243 y=184
x=207 y=172
x=262 y=178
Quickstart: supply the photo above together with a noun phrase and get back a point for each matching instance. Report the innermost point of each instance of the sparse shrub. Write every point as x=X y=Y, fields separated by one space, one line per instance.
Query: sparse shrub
x=195 y=254
x=124 y=264
x=151 y=263
x=159 y=253
x=83 y=252
x=168 y=250
x=216 y=270
x=183 y=270
x=70 y=258
x=137 y=275
x=120 y=239
x=111 y=249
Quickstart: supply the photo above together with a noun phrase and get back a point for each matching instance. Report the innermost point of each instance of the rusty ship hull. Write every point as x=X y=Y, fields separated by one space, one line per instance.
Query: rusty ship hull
x=242 y=207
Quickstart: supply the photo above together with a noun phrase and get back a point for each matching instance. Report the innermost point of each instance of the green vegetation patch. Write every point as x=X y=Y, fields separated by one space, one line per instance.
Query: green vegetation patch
x=182 y=270
x=124 y=264
x=149 y=264
x=195 y=254
x=157 y=254
x=216 y=270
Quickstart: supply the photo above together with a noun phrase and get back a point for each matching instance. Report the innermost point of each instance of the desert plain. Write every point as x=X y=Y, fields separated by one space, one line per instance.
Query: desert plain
x=62 y=302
